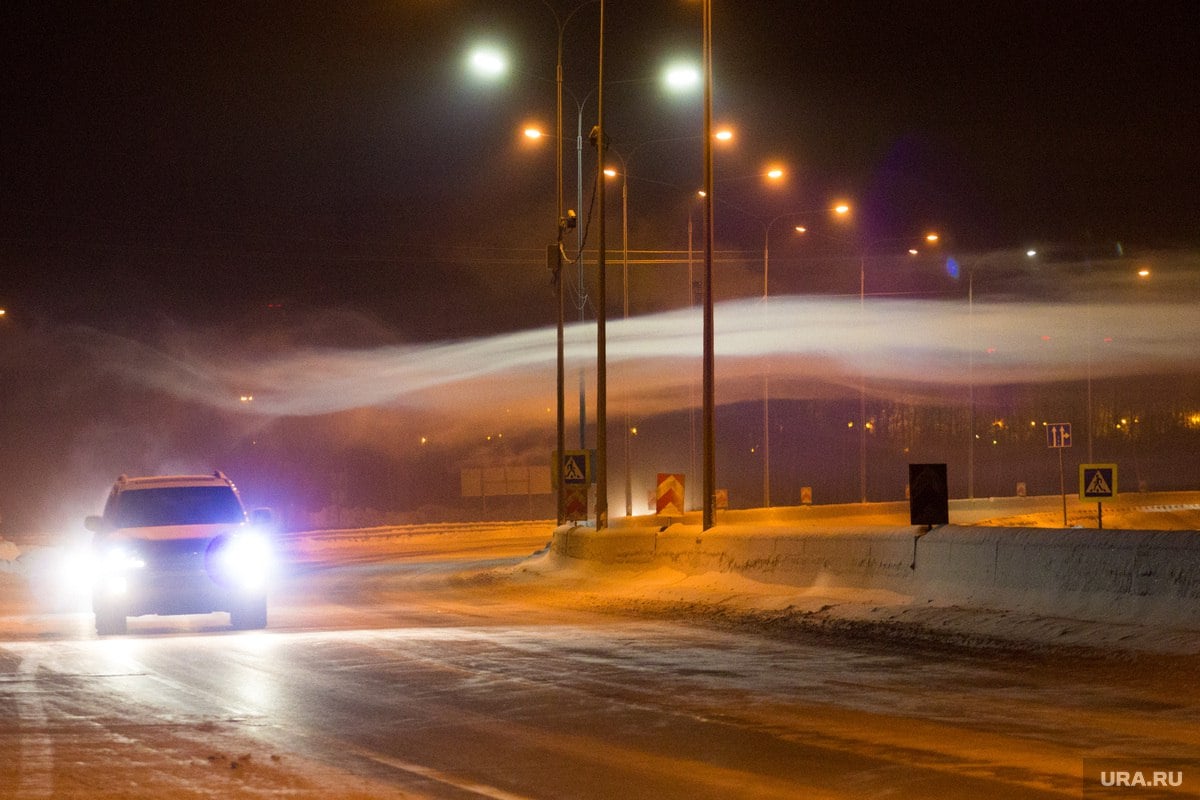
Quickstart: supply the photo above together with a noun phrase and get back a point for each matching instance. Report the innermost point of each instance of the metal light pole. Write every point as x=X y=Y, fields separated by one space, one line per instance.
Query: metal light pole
x=601 y=307
x=971 y=384
x=625 y=316
x=709 y=400
x=862 y=388
x=767 y=225
x=561 y=225
x=767 y=371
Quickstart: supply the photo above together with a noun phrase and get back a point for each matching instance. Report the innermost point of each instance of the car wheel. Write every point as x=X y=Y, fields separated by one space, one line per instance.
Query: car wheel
x=249 y=613
x=110 y=620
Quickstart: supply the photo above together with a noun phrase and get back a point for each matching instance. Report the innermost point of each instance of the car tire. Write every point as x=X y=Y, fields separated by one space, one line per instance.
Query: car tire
x=110 y=620
x=249 y=613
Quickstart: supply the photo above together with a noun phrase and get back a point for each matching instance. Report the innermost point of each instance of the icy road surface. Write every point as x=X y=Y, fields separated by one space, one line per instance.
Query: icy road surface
x=433 y=669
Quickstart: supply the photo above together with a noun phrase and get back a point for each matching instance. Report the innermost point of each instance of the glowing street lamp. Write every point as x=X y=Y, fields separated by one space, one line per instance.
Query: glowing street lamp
x=488 y=62
x=684 y=77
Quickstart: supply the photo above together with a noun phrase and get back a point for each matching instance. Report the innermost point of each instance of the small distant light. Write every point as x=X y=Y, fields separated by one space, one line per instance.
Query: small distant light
x=775 y=173
x=841 y=208
x=534 y=133
x=850 y=424
x=1143 y=273
x=247 y=398
x=1031 y=253
x=701 y=193
x=1045 y=338
x=424 y=441
x=931 y=237
x=633 y=430
x=991 y=350
x=2 y=312
x=801 y=229
x=723 y=135
x=912 y=251
x=610 y=172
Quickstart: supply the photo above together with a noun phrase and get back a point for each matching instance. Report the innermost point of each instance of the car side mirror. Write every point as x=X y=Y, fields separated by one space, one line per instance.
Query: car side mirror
x=95 y=524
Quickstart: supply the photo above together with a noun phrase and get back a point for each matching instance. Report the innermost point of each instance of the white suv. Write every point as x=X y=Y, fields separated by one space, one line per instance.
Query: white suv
x=179 y=544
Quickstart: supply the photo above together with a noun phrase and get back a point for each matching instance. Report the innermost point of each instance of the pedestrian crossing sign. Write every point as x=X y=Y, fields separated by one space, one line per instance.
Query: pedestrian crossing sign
x=1097 y=482
x=575 y=467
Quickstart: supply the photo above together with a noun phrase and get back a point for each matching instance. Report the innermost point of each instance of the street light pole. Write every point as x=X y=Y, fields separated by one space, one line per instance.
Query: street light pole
x=561 y=226
x=767 y=225
x=709 y=400
x=767 y=372
x=560 y=360
x=601 y=307
x=931 y=238
x=862 y=387
x=971 y=383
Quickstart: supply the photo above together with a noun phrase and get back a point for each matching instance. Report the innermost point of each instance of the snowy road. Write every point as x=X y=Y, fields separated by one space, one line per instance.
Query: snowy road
x=432 y=675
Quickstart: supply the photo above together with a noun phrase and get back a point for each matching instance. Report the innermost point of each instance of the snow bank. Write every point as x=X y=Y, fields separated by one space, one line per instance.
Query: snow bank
x=1120 y=576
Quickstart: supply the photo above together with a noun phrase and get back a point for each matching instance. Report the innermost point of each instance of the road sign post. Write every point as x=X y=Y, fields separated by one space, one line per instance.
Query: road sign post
x=1058 y=437
x=1098 y=482
x=575 y=472
x=669 y=495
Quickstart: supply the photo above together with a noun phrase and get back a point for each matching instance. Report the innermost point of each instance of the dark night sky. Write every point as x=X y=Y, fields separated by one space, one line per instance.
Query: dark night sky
x=221 y=184
x=200 y=160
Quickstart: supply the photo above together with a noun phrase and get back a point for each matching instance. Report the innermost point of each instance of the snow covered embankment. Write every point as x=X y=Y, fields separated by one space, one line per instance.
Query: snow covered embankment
x=1149 y=580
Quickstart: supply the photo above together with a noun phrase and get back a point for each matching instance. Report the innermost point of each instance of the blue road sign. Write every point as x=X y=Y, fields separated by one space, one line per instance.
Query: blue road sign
x=1058 y=434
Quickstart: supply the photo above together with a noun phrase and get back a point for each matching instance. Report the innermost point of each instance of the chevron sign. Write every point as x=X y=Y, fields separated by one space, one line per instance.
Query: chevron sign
x=670 y=494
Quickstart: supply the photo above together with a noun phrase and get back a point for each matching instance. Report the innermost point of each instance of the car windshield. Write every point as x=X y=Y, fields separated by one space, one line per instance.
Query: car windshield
x=177 y=505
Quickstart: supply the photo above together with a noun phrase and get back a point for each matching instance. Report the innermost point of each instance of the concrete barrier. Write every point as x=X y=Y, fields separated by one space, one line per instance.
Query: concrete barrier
x=1138 y=577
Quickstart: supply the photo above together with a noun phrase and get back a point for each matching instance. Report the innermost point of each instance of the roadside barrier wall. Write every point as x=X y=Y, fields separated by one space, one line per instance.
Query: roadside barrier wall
x=1116 y=575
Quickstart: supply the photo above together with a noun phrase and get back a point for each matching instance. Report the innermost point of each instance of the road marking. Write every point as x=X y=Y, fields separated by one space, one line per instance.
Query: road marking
x=481 y=789
x=36 y=768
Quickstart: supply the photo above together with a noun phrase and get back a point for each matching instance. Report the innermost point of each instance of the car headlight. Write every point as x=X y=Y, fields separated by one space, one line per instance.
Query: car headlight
x=242 y=561
x=114 y=566
x=120 y=559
